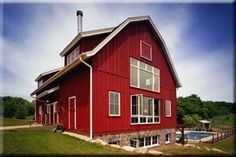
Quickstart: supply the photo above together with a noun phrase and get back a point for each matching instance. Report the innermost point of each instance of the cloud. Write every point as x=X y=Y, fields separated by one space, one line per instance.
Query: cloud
x=53 y=26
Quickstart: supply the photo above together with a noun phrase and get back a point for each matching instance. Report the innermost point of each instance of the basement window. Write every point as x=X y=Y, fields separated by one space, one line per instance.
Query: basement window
x=114 y=103
x=167 y=138
x=144 y=110
x=148 y=141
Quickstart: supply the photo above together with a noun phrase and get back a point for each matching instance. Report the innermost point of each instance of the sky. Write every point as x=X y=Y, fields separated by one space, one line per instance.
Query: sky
x=199 y=37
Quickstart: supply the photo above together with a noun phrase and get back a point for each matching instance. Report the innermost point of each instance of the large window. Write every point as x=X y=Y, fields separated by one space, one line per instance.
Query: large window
x=147 y=141
x=114 y=103
x=73 y=55
x=168 y=108
x=144 y=110
x=144 y=76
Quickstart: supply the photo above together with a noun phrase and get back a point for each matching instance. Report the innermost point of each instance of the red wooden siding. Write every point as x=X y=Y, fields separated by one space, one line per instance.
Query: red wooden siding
x=112 y=71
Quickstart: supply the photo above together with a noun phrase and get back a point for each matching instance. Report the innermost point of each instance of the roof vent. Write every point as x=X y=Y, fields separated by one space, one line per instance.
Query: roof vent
x=79 y=20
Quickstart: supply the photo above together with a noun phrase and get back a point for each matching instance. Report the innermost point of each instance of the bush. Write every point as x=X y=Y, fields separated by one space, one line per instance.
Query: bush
x=60 y=127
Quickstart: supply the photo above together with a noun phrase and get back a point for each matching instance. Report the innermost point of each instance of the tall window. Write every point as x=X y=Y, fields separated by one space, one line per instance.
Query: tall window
x=40 y=110
x=114 y=103
x=73 y=55
x=168 y=108
x=144 y=76
x=144 y=110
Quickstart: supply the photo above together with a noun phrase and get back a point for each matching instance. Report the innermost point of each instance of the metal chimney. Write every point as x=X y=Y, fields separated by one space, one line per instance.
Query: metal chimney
x=79 y=20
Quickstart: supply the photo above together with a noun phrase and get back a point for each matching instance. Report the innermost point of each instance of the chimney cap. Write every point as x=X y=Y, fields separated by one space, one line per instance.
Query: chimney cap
x=79 y=13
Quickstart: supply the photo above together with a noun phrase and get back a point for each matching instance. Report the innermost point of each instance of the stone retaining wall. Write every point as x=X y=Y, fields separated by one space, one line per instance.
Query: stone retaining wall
x=124 y=138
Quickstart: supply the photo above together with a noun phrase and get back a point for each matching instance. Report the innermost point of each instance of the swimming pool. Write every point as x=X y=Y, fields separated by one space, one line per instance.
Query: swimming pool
x=195 y=135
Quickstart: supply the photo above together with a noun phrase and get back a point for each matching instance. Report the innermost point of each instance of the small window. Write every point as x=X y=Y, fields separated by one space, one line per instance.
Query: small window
x=40 y=110
x=114 y=103
x=168 y=108
x=145 y=50
x=167 y=138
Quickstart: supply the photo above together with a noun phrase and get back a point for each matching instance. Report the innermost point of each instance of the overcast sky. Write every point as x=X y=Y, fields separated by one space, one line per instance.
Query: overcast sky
x=199 y=38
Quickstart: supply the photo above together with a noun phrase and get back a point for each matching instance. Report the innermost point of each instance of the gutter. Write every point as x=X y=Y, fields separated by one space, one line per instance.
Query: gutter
x=90 y=95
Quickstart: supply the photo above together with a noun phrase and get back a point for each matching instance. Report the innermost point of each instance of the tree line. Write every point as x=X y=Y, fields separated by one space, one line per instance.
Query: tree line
x=16 y=107
x=191 y=109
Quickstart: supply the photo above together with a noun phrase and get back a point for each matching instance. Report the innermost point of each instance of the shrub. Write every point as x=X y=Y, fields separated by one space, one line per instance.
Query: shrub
x=60 y=127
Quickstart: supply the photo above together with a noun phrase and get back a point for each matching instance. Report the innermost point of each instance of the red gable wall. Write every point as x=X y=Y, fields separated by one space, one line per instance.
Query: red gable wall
x=112 y=72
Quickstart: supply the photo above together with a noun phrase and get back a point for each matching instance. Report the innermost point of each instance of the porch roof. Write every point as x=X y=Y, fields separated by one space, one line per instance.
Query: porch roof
x=48 y=92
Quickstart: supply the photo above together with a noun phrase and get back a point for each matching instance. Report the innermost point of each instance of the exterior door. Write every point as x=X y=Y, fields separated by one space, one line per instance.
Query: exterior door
x=72 y=113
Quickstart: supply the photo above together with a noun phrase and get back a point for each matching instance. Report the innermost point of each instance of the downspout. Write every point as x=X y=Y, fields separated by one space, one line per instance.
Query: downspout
x=35 y=106
x=90 y=95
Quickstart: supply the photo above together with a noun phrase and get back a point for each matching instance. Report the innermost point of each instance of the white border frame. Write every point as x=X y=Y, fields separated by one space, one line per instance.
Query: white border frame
x=138 y=76
x=143 y=42
x=72 y=97
x=114 y=92
x=159 y=112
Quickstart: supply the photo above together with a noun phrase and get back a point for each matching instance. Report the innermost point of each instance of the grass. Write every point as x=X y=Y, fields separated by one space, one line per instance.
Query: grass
x=224 y=121
x=179 y=150
x=226 y=145
x=47 y=142
x=14 y=121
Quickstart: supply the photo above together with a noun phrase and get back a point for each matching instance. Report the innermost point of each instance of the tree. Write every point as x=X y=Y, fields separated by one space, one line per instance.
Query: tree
x=21 y=112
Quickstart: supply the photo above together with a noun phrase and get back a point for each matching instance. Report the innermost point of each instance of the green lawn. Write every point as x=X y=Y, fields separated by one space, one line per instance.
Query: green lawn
x=223 y=122
x=47 y=142
x=227 y=145
x=14 y=122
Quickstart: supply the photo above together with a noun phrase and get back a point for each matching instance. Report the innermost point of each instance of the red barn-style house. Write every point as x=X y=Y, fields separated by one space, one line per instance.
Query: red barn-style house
x=118 y=84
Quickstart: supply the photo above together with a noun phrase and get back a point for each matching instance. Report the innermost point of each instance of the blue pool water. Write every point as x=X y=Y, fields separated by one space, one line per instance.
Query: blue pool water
x=195 y=135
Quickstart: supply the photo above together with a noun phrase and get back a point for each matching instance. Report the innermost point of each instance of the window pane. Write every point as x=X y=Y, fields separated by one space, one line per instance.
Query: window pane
x=133 y=61
x=149 y=68
x=156 y=83
x=145 y=79
x=134 y=105
x=134 y=76
x=134 y=119
x=142 y=65
x=168 y=107
x=112 y=98
x=154 y=139
x=147 y=106
x=147 y=141
x=112 y=109
x=156 y=108
x=141 y=142
x=116 y=98
x=116 y=109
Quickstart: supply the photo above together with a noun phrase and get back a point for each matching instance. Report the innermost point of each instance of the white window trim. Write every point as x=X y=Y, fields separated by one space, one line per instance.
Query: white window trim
x=113 y=92
x=72 y=97
x=141 y=54
x=140 y=116
x=168 y=102
x=138 y=76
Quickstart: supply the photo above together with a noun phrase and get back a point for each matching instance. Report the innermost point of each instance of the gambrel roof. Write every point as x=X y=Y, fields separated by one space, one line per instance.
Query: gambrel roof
x=112 y=33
